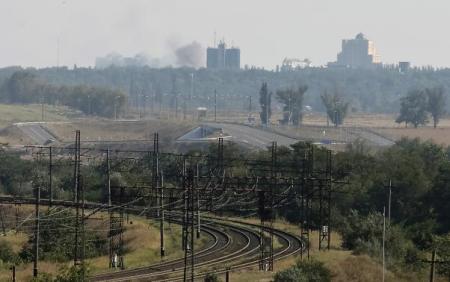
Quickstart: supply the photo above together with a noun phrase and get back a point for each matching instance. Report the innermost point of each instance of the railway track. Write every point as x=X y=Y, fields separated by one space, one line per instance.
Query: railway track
x=235 y=246
x=241 y=253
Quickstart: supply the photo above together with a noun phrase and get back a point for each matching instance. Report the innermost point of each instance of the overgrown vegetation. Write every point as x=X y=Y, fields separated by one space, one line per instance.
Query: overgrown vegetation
x=419 y=103
x=65 y=274
x=57 y=236
x=265 y=102
x=212 y=277
x=25 y=87
x=292 y=99
x=336 y=107
x=304 y=271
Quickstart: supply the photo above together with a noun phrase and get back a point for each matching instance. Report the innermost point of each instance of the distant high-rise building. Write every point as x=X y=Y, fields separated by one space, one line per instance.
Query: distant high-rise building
x=212 y=58
x=221 y=57
x=403 y=66
x=357 y=53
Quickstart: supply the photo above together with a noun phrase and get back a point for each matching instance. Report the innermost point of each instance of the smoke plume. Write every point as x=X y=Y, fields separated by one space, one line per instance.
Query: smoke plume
x=190 y=55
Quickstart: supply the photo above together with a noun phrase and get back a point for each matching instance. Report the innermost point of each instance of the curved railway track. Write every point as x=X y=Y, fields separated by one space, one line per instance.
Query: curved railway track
x=241 y=253
x=235 y=246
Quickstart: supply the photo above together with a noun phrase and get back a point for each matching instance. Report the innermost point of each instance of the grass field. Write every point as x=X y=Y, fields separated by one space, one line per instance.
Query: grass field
x=10 y=114
x=109 y=130
x=141 y=240
x=440 y=135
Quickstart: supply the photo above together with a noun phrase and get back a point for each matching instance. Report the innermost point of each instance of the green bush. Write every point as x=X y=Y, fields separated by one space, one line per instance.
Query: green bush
x=7 y=254
x=304 y=271
x=57 y=243
x=364 y=235
x=65 y=274
x=212 y=277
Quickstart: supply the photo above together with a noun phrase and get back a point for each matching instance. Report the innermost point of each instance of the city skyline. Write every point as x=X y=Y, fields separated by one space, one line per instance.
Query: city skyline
x=70 y=32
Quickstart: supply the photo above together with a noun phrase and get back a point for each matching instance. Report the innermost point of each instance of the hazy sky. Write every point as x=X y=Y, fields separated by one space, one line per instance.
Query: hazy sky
x=265 y=30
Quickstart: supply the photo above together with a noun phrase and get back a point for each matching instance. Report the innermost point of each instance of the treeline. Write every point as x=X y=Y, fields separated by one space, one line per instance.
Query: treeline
x=24 y=87
x=419 y=104
x=377 y=90
x=415 y=176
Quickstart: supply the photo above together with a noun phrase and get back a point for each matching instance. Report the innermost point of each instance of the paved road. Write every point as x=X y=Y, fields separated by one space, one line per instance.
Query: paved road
x=374 y=137
x=36 y=132
x=253 y=136
x=261 y=138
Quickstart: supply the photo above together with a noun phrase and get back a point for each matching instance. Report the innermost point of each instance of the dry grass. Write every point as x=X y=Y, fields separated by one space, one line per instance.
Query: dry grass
x=440 y=135
x=141 y=242
x=108 y=130
x=143 y=246
x=15 y=240
x=10 y=114
x=358 y=120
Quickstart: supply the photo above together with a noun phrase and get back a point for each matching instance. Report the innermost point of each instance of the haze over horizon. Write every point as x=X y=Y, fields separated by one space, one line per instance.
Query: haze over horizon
x=266 y=31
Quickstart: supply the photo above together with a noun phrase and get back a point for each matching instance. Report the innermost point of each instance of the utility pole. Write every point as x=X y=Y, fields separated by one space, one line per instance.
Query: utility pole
x=433 y=263
x=115 y=110
x=36 y=229
x=13 y=270
x=176 y=106
x=50 y=168
x=191 y=93
x=110 y=211
x=185 y=207
x=389 y=201
x=138 y=105
x=184 y=107
x=336 y=121
x=384 y=238
x=152 y=98
x=77 y=196
x=145 y=106
x=2 y=219
x=189 y=225
x=155 y=170
x=161 y=220
x=108 y=179
x=16 y=215
x=198 y=203
x=215 y=105
x=42 y=109
x=83 y=234
x=267 y=108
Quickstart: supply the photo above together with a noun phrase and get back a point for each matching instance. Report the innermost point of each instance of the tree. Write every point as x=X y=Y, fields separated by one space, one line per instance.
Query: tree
x=439 y=197
x=436 y=103
x=22 y=87
x=304 y=271
x=413 y=108
x=265 y=100
x=335 y=106
x=212 y=277
x=293 y=103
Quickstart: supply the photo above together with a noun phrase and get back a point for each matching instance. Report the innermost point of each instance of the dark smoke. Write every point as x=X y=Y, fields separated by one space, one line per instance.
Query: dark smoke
x=190 y=55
